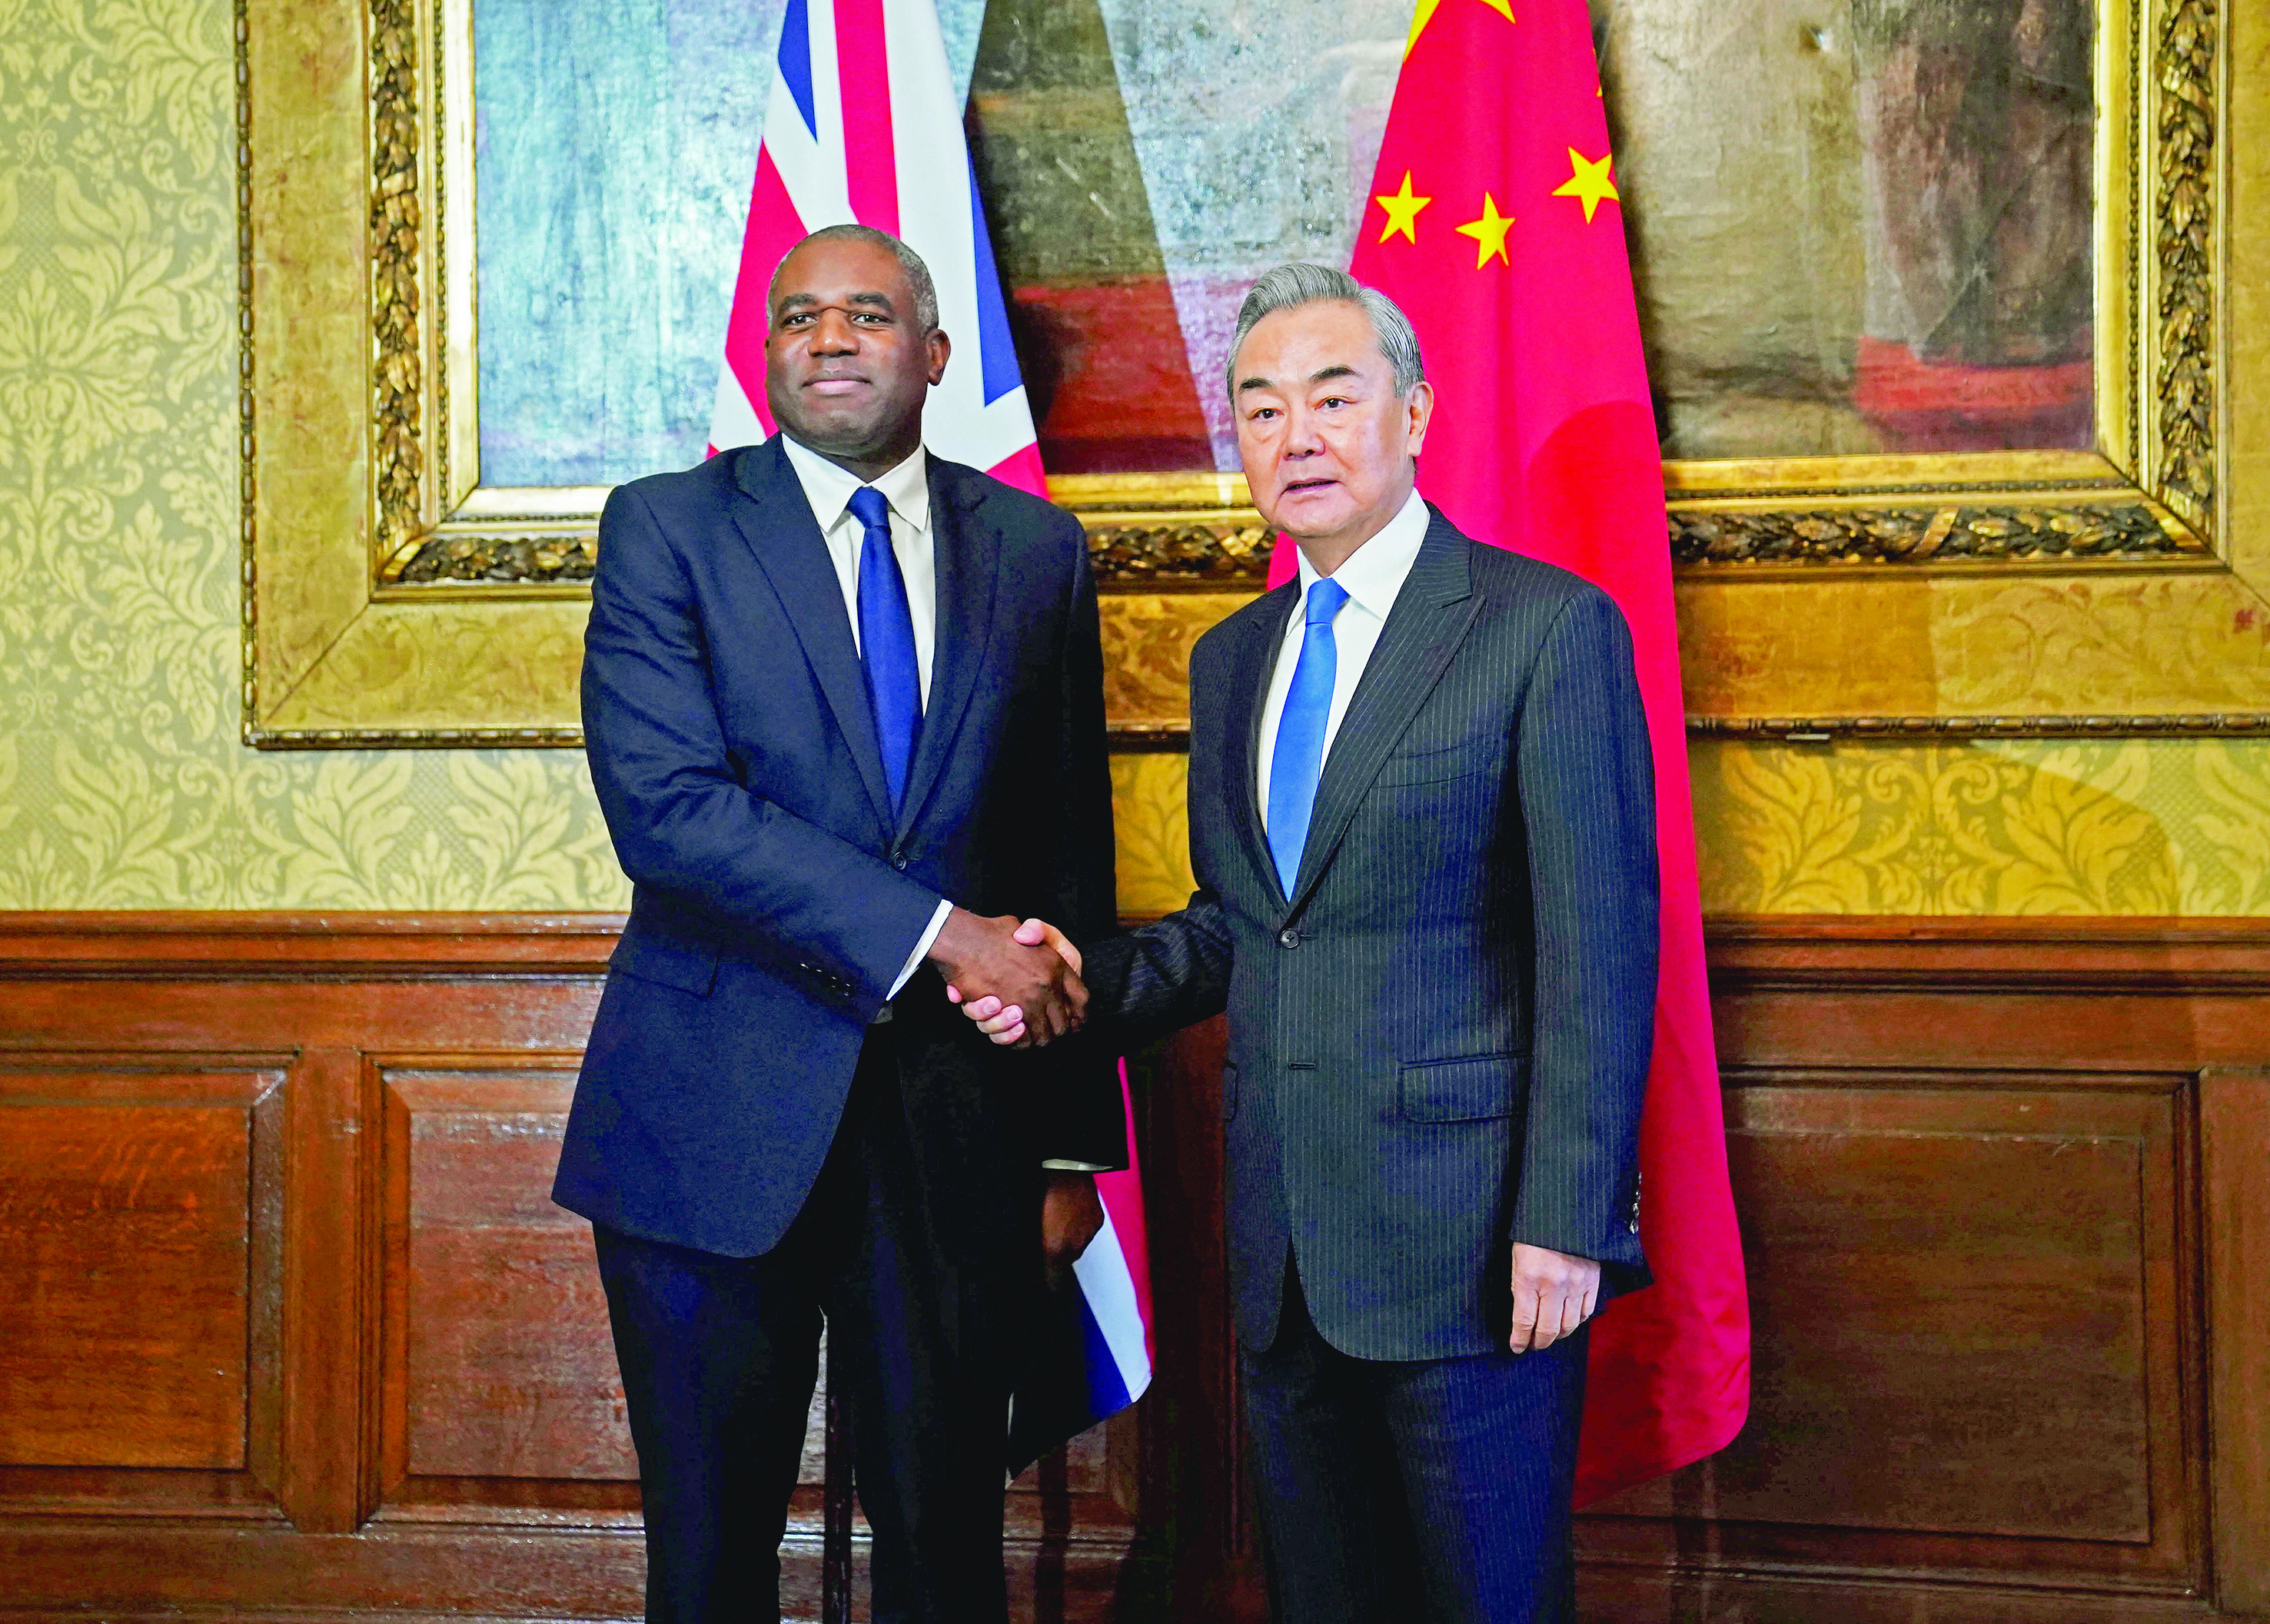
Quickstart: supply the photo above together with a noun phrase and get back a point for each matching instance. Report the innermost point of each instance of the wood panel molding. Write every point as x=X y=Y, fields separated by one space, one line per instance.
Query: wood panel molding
x=299 y=1333
x=308 y=1333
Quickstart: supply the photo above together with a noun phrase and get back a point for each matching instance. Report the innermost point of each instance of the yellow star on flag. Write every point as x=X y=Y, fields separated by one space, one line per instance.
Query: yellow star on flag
x=1424 y=14
x=1402 y=211
x=1489 y=233
x=1588 y=182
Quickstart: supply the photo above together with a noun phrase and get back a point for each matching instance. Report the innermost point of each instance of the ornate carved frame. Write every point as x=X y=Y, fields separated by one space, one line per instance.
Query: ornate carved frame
x=390 y=599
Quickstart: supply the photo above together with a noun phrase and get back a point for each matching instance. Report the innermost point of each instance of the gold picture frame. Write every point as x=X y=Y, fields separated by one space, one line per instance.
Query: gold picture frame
x=392 y=600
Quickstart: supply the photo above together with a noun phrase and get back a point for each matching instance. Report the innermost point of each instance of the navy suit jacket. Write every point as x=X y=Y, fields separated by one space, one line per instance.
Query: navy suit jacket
x=776 y=896
x=1439 y=1042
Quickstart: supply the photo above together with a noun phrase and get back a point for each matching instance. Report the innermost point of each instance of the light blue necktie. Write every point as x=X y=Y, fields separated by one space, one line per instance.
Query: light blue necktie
x=1300 y=758
x=887 y=643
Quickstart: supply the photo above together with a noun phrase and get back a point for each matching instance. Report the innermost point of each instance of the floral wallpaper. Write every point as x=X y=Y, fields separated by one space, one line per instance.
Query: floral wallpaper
x=2053 y=826
x=123 y=783
x=2048 y=826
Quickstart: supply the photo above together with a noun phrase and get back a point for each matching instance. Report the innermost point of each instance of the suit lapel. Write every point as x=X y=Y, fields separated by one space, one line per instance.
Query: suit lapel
x=968 y=552
x=1252 y=666
x=1430 y=619
x=777 y=522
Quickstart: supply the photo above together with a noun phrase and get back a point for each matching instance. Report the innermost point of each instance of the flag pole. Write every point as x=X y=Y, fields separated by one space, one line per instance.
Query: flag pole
x=835 y=1500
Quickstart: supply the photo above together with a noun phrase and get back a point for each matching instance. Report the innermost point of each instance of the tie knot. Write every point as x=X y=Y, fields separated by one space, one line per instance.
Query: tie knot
x=871 y=507
x=1325 y=600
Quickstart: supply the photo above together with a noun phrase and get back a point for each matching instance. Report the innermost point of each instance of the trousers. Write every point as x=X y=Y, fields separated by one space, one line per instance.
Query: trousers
x=719 y=1357
x=1381 y=1482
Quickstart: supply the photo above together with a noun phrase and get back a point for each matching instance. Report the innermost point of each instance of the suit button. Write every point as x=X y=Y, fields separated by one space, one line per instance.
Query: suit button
x=898 y=861
x=1288 y=938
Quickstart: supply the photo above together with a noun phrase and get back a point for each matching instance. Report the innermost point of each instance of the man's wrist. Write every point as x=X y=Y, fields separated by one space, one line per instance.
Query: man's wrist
x=929 y=939
x=947 y=944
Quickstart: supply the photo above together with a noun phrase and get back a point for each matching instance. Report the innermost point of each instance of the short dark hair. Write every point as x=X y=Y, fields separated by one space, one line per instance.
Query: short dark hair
x=925 y=290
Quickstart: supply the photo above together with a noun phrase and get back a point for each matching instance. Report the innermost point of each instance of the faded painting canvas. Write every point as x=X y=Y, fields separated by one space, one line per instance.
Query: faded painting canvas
x=1862 y=226
x=1858 y=225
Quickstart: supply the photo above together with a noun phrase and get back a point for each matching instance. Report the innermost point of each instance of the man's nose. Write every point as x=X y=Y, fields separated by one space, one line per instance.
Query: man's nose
x=834 y=334
x=1301 y=436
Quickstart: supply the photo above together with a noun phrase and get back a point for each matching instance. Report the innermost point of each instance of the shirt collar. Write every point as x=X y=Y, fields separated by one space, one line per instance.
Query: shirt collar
x=1374 y=573
x=828 y=488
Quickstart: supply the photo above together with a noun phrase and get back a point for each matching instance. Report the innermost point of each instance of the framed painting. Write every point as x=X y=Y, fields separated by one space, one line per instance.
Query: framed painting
x=1935 y=292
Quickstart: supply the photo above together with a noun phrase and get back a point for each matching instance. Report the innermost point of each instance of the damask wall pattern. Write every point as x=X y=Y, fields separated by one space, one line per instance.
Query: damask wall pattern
x=2122 y=827
x=123 y=782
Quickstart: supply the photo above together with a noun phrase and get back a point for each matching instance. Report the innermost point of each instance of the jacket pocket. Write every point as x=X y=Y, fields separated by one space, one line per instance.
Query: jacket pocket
x=1228 y=1092
x=1440 y=764
x=649 y=958
x=1471 y=1089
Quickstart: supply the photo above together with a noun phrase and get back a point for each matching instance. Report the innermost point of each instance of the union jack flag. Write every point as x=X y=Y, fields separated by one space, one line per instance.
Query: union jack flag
x=857 y=133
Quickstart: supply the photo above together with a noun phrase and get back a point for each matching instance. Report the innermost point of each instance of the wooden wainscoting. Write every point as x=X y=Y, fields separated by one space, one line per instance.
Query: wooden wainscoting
x=286 y=1324
x=287 y=1319
x=2004 y=1191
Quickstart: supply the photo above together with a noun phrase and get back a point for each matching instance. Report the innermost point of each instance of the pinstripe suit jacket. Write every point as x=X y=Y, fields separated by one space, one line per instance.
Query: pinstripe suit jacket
x=1439 y=1042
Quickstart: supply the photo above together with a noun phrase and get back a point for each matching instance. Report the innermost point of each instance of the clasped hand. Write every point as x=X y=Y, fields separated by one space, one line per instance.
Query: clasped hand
x=1001 y=1015
x=997 y=969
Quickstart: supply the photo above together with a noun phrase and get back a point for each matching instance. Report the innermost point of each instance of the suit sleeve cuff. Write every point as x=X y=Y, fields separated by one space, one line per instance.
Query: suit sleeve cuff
x=921 y=948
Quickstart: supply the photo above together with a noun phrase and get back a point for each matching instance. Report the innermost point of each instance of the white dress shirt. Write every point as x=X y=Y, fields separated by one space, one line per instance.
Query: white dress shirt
x=829 y=489
x=1373 y=577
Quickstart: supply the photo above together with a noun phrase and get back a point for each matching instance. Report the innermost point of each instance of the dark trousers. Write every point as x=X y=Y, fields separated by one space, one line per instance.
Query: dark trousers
x=1380 y=1484
x=719 y=1356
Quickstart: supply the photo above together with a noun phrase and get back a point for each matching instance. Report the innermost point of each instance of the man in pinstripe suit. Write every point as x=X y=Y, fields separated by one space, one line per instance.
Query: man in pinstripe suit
x=1422 y=822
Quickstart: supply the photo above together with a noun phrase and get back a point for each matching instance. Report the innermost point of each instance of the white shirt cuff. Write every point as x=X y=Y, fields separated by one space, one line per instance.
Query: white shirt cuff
x=1055 y=1165
x=921 y=948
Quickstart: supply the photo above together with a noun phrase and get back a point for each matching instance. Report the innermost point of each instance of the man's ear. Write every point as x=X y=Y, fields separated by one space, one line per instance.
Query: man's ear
x=1419 y=411
x=940 y=347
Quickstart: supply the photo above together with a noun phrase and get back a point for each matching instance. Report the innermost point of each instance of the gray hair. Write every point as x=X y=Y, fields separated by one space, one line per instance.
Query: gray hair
x=925 y=290
x=1288 y=287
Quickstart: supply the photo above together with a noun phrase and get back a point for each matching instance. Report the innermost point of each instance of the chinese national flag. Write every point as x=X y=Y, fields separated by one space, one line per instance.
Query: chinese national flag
x=1495 y=222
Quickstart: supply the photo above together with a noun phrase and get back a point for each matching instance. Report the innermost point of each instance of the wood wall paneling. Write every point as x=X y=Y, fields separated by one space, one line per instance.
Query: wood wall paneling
x=1967 y=1354
x=1960 y=1277
x=139 y=1283
x=420 y=1412
x=2234 y=1185
x=497 y=1362
x=290 y=1325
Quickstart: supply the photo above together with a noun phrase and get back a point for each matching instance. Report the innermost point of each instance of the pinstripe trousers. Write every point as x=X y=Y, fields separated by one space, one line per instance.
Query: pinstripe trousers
x=1379 y=1482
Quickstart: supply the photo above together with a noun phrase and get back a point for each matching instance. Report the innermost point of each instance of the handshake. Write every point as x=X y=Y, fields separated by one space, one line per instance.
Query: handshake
x=1020 y=982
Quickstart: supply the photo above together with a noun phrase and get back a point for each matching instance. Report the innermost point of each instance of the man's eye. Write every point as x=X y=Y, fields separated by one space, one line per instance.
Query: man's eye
x=1334 y=400
x=874 y=318
x=1261 y=414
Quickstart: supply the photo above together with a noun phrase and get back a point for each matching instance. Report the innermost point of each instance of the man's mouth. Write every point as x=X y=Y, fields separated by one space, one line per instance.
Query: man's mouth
x=1291 y=485
x=835 y=383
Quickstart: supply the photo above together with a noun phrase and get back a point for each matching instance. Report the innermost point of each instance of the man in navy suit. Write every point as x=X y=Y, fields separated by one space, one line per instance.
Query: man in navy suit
x=843 y=707
x=1422 y=826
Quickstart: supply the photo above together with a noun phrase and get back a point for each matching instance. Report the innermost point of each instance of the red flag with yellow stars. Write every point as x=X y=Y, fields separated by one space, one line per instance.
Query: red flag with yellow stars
x=1495 y=223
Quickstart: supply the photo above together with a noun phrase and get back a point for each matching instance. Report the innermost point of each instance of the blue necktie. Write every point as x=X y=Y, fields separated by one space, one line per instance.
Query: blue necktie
x=1300 y=758
x=887 y=643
